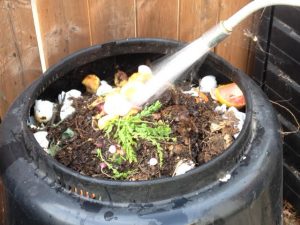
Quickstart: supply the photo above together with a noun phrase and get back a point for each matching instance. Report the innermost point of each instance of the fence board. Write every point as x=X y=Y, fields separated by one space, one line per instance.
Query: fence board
x=19 y=57
x=196 y=17
x=235 y=48
x=64 y=27
x=157 y=18
x=111 y=19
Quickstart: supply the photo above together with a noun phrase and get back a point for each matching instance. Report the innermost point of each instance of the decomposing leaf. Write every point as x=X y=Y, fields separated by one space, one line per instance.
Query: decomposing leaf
x=53 y=149
x=67 y=134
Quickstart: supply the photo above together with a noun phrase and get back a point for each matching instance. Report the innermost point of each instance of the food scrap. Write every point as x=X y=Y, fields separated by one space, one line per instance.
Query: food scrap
x=230 y=95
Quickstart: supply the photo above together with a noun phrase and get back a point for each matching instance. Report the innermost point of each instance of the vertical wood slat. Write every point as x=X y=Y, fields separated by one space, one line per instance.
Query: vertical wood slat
x=235 y=48
x=111 y=20
x=64 y=27
x=19 y=57
x=196 y=17
x=156 y=18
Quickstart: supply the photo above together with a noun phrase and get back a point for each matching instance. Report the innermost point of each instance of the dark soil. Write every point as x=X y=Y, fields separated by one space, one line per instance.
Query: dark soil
x=189 y=117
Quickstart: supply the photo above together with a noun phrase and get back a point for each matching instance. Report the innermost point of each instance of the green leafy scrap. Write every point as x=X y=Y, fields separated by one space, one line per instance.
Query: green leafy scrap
x=116 y=174
x=129 y=130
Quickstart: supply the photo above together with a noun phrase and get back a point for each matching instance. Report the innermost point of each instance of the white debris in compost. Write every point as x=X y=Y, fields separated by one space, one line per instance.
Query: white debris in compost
x=66 y=111
x=104 y=120
x=116 y=105
x=212 y=94
x=241 y=116
x=112 y=149
x=143 y=69
x=65 y=98
x=43 y=110
x=183 y=166
x=221 y=109
x=225 y=178
x=104 y=88
x=153 y=162
x=41 y=138
x=132 y=87
x=207 y=83
x=193 y=92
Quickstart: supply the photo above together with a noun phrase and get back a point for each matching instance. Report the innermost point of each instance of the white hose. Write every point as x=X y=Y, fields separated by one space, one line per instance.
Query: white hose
x=252 y=7
x=173 y=66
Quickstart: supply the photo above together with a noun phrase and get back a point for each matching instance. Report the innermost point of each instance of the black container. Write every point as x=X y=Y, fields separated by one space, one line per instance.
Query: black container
x=39 y=190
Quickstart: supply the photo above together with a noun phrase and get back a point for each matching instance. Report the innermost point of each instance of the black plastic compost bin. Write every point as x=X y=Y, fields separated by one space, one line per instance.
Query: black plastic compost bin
x=39 y=190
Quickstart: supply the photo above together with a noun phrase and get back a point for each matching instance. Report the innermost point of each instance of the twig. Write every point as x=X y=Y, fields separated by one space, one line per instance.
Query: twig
x=294 y=117
x=190 y=148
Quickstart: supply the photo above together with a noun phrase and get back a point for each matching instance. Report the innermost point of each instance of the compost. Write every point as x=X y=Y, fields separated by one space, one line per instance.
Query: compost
x=170 y=136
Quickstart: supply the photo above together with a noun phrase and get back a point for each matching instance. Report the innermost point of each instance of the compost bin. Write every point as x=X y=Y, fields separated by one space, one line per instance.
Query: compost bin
x=39 y=190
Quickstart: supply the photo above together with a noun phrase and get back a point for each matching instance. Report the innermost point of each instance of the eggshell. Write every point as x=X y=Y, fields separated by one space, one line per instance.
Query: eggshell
x=207 y=83
x=43 y=110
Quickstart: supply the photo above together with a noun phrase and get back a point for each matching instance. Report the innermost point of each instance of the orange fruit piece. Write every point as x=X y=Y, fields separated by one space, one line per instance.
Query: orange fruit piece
x=230 y=95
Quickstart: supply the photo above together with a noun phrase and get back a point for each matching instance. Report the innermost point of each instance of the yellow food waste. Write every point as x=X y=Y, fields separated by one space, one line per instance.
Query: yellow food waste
x=230 y=95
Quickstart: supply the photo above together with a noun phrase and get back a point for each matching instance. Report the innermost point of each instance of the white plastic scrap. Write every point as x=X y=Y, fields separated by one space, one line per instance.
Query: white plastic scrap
x=207 y=83
x=104 y=88
x=225 y=178
x=183 y=166
x=41 y=138
x=153 y=162
x=43 y=110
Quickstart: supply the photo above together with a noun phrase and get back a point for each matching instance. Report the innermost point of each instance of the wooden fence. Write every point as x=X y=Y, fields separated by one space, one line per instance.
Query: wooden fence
x=36 y=34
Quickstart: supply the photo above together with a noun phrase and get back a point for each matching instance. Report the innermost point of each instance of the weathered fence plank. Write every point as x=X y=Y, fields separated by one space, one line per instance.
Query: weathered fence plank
x=64 y=27
x=111 y=20
x=196 y=17
x=236 y=48
x=157 y=18
x=19 y=57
